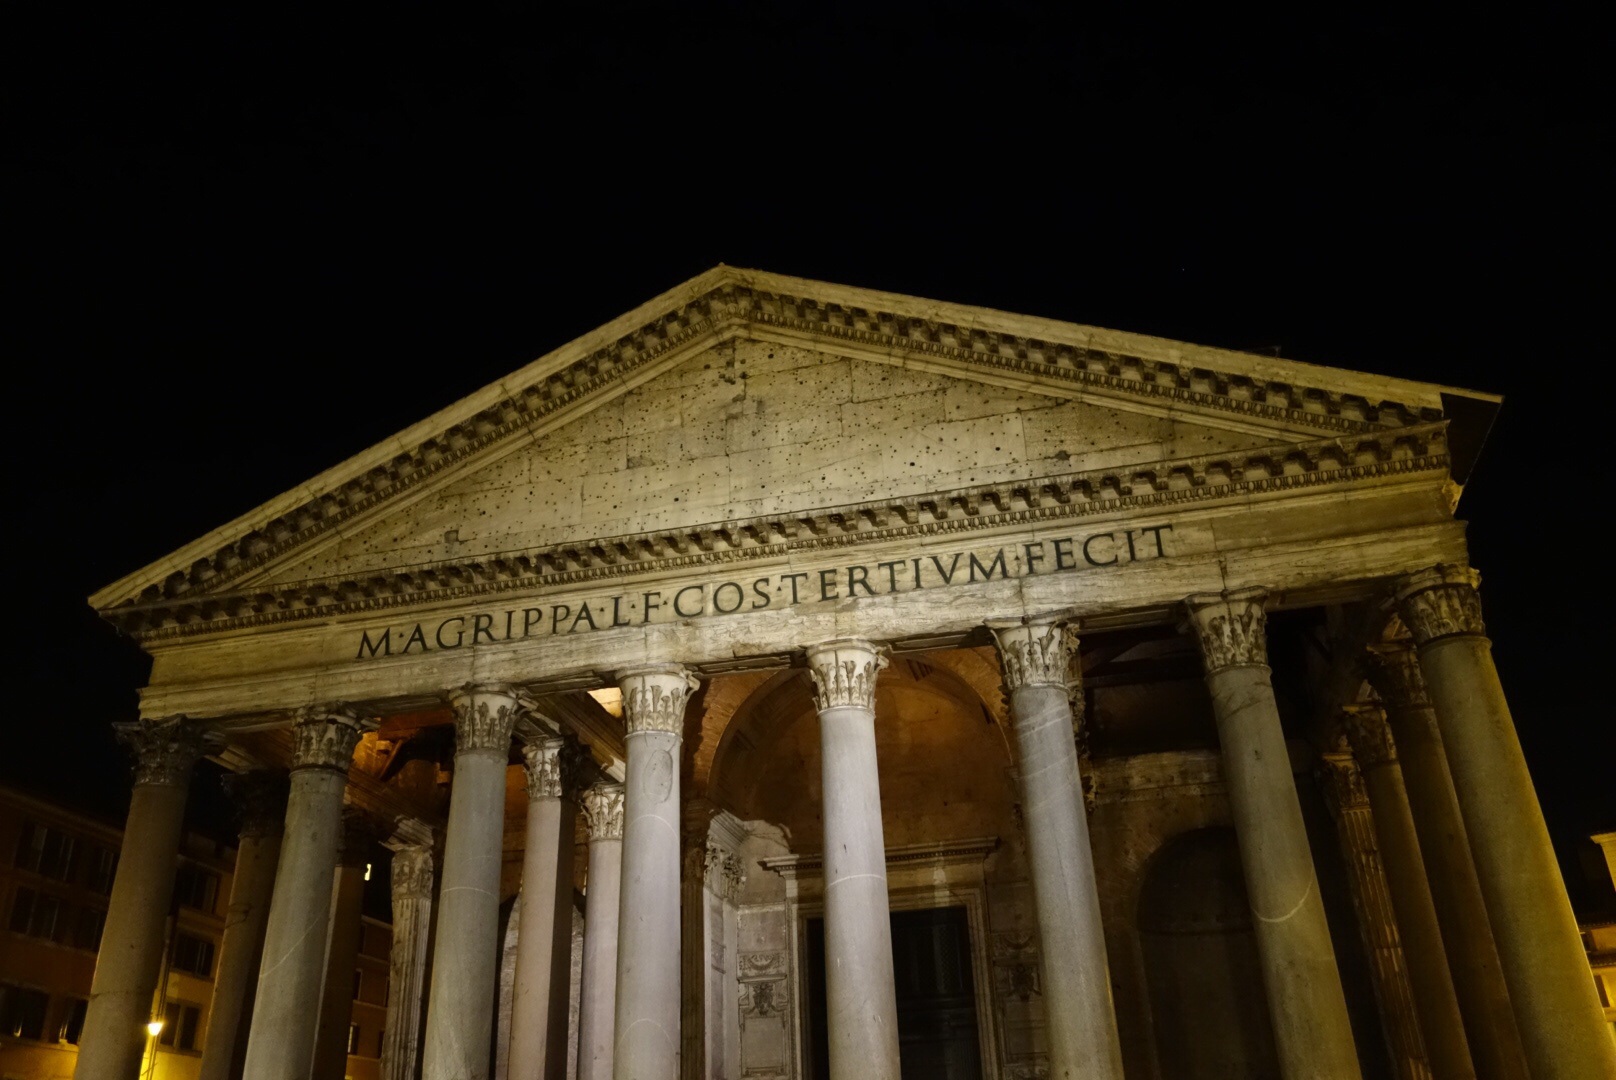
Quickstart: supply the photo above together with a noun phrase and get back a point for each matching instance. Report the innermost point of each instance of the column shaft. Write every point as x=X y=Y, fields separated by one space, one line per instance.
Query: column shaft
x=1377 y=919
x=342 y=953
x=862 y=1008
x=543 y=961
x=460 y=1007
x=285 y=1012
x=126 y=968
x=597 y=1002
x=412 y=880
x=1434 y=996
x=263 y=799
x=1312 y=1031
x=1082 y=1025
x=1467 y=937
x=647 y=1027
x=1562 y=1025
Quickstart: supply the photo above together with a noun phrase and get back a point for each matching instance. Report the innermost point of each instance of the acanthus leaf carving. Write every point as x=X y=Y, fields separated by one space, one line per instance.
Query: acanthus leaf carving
x=844 y=672
x=553 y=765
x=485 y=716
x=603 y=808
x=165 y=750
x=413 y=872
x=1441 y=602
x=654 y=698
x=324 y=737
x=1368 y=734
x=1394 y=672
x=1036 y=653
x=1231 y=628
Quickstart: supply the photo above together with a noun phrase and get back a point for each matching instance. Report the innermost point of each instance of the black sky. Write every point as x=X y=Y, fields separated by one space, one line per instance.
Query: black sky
x=243 y=247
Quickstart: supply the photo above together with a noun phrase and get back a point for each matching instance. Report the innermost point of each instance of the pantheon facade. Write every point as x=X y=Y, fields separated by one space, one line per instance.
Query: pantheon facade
x=788 y=680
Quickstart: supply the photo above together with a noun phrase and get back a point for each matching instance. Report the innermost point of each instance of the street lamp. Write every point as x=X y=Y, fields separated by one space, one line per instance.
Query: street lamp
x=155 y=1028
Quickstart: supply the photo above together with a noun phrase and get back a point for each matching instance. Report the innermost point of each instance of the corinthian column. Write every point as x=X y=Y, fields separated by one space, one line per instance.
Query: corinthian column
x=1309 y=1011
x=1562 y=1025
x=597 y=997
x=1377 y=920
x=1434 y=998
x=114 y=1036
x=647 y=1028
x=1037 y=660
x=862 y=1017
x=342 y=947
x=262 y=798
x=286 y=1012
x=460 y=1007
x=1467 y=938
x=406 y=969
x=543 y=947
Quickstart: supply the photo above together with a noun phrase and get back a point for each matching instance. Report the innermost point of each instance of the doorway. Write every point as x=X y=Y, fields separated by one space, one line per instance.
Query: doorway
x=936 y=990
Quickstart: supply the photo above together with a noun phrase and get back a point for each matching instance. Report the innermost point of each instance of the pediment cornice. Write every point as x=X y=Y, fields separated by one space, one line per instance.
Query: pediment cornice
x=1206 y=479
x=1132 y=370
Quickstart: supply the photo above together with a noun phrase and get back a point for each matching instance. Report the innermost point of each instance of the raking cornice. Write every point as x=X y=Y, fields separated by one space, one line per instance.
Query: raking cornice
x=725 y=303
x=1165 y=484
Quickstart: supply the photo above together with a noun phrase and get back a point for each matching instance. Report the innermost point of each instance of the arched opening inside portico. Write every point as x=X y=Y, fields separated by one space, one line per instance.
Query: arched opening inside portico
x=944 y=758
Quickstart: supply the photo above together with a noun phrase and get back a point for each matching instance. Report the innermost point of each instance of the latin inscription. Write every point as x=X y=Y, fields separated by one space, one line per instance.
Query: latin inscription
x=852 y=582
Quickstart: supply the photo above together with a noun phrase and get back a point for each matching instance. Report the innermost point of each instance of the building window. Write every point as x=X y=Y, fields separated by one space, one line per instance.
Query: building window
x=45 y=851
x=353 y=1038
x=36 y=914
x=196 y=888
x=101 y=864
x=381 y=1041
x=1599 y=985
x=22 y=1012
x=193 y=954
x=87 y=928
x=73 y=1022
x=180 y=1024
x=358 y=983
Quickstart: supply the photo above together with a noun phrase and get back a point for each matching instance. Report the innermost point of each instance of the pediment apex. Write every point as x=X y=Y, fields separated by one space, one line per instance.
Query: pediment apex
x=725 y=303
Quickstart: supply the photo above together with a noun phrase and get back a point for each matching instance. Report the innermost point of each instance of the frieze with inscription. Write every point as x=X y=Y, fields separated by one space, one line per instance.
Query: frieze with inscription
x=1067 y=554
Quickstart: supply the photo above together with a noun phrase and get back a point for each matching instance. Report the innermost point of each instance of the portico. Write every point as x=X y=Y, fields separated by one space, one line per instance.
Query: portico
x=985 y=661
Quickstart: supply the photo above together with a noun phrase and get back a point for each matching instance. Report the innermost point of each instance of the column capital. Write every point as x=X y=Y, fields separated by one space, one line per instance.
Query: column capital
x=1440 y=602
x=654 y=698
x=324 y=736
x=1393 y=669
x=603 y=809
x=165 y=750
x=485 y=716
x=553 y=764
x=1036 y=652
x=1230 y=627
x=260 y=798
x=844 y=671
x=1368 y=734
x=723 y=871
x=412 y=872
x=1345 y=782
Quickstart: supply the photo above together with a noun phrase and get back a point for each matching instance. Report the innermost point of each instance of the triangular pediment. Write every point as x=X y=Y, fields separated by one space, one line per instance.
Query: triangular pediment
x=743 y=405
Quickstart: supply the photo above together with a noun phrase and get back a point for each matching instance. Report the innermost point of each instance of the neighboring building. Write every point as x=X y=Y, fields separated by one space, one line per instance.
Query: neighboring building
x=55 y=882
x=56 y=873
x=945 y=694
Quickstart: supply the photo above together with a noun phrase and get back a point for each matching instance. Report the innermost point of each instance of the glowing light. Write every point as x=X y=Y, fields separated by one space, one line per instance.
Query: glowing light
x=367 y=871
x=155 y=1028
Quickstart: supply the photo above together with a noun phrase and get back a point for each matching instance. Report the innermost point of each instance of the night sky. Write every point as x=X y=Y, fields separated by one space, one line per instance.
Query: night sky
x=240 y=250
